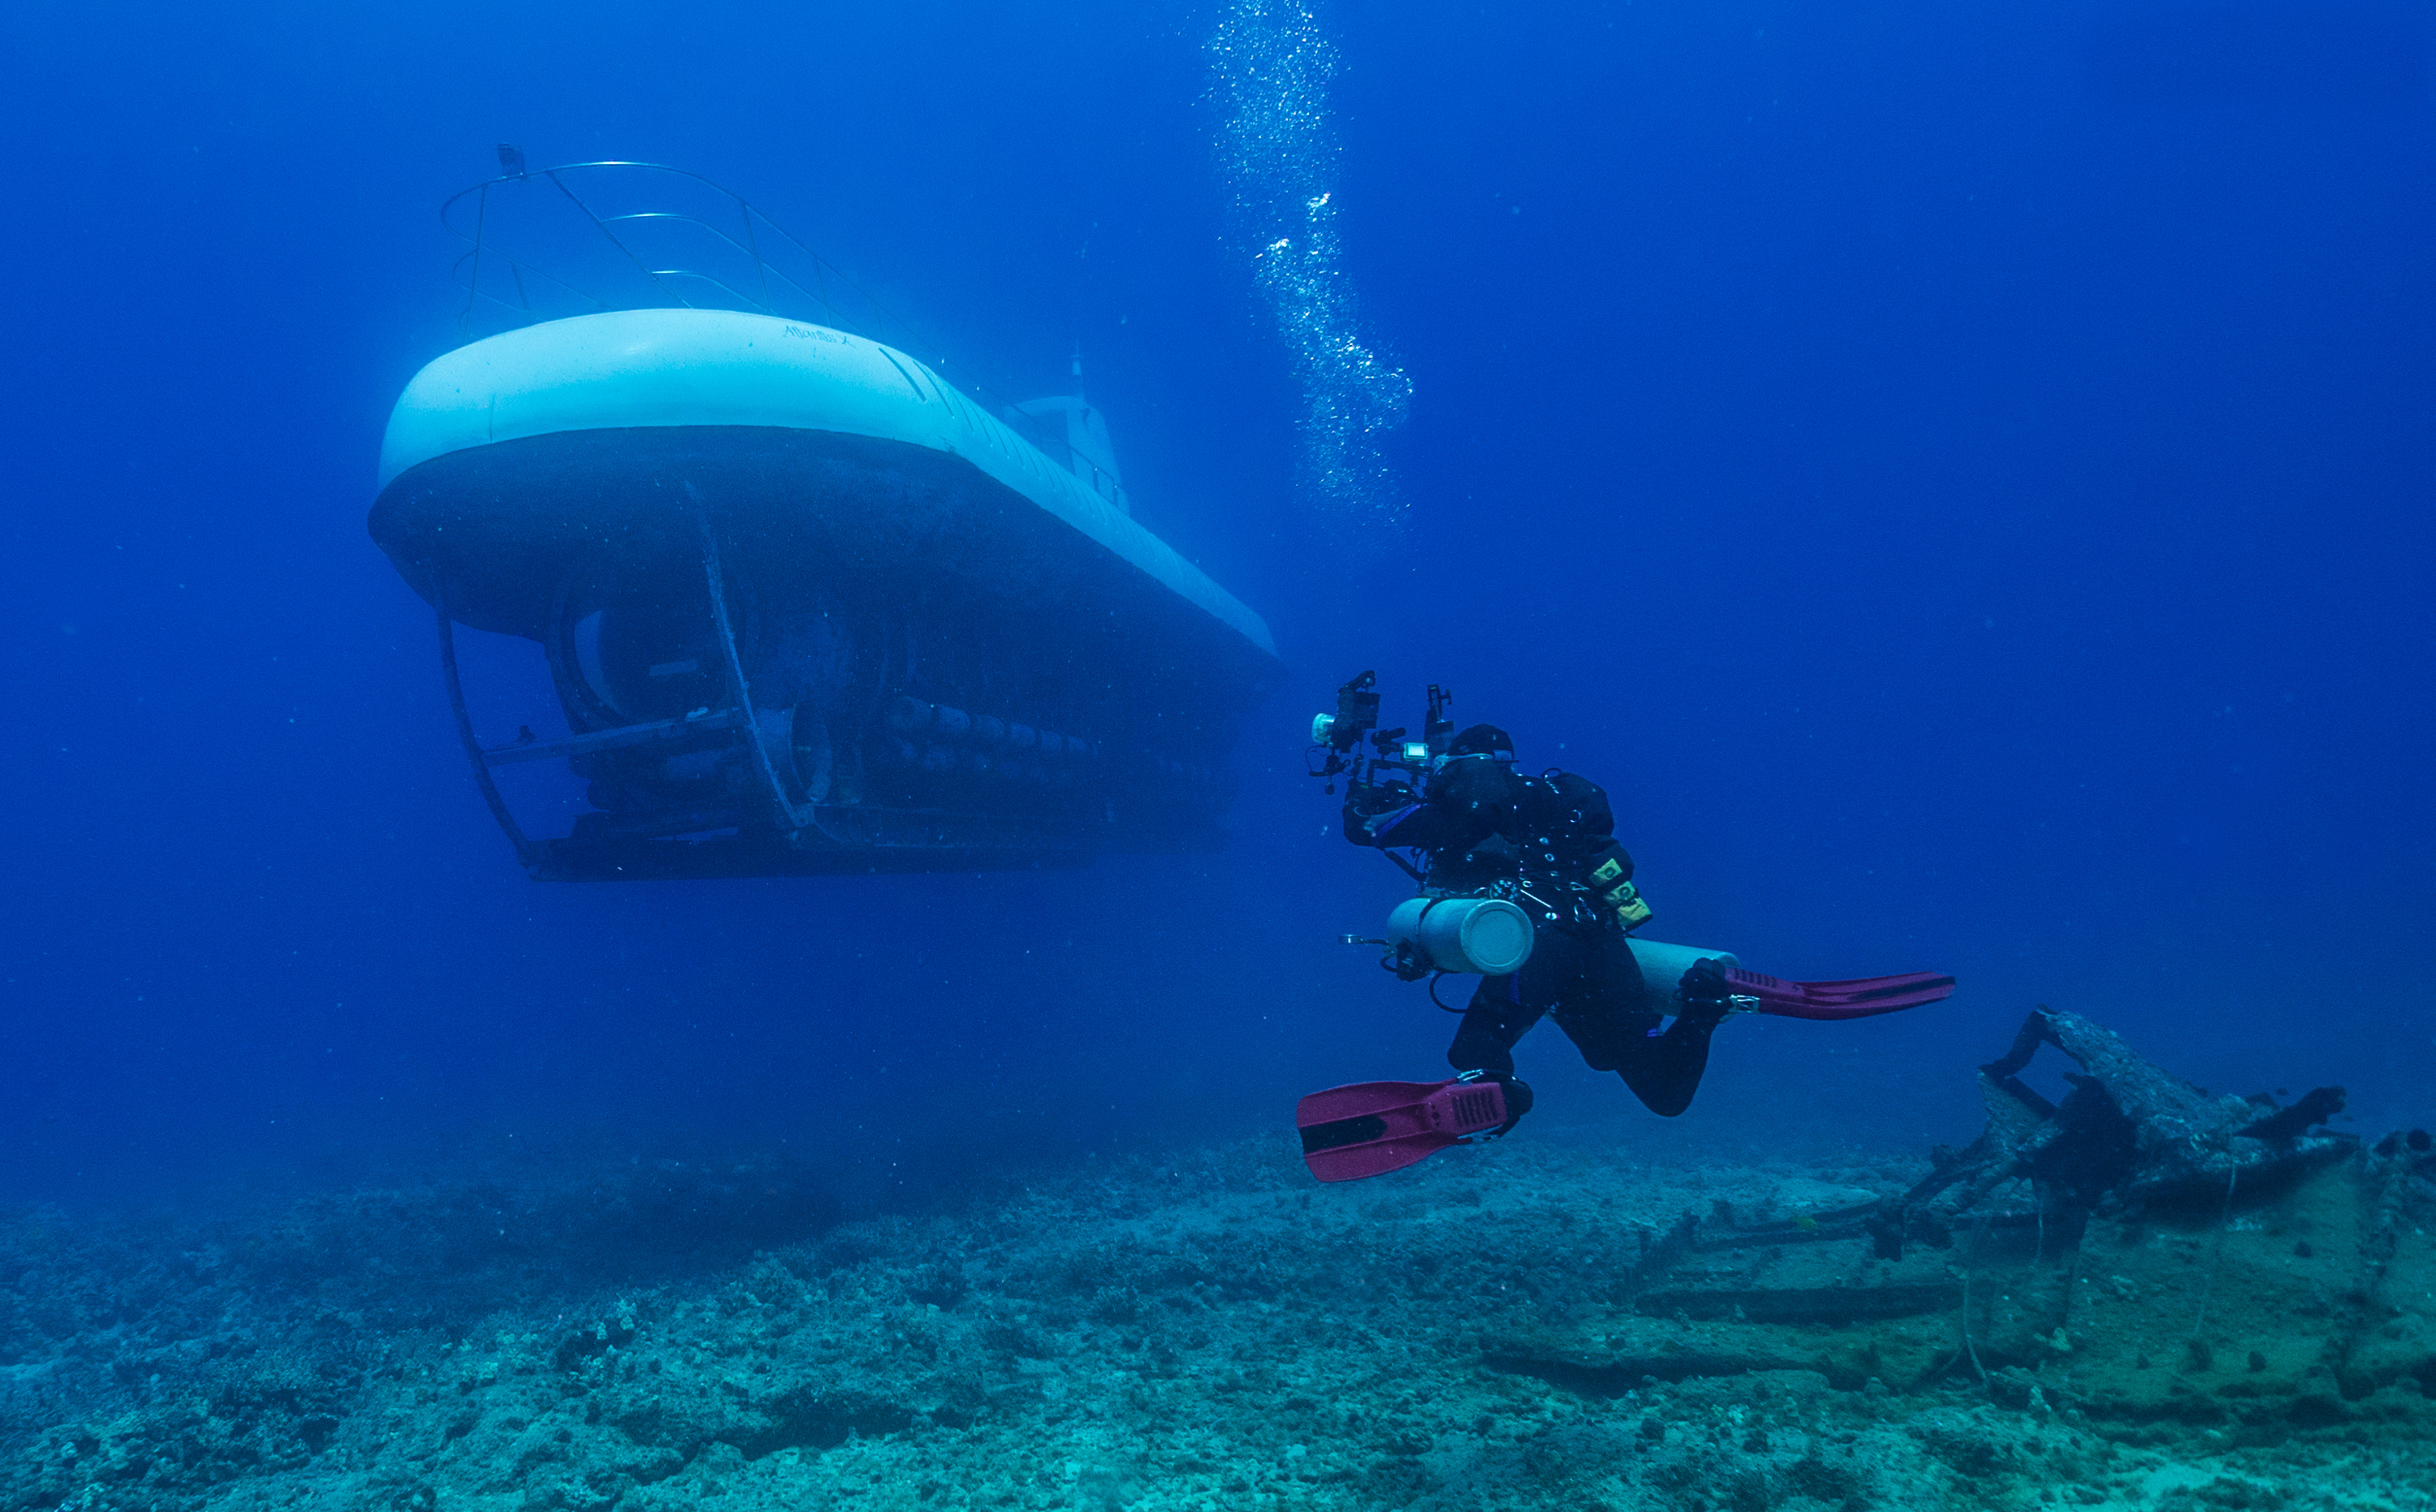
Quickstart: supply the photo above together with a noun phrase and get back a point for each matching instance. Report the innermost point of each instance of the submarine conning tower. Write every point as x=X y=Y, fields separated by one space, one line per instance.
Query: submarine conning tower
x=806 y=607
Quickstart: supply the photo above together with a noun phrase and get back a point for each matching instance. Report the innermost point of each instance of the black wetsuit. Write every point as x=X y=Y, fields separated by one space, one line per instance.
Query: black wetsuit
x=1538 y=841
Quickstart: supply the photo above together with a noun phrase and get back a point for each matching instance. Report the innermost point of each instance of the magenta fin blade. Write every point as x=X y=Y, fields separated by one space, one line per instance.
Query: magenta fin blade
x=1370 y=1128
x=1355 y=1161
x=1874 y=989
x=1860 y=997
x=1360 y=1098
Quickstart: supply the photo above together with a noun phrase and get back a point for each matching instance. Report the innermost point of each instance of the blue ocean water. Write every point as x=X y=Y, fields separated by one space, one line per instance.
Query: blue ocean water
x=1960 y=479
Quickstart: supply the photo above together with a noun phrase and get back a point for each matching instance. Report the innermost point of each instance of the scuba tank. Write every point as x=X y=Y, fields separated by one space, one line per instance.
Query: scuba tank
x=1477 y=936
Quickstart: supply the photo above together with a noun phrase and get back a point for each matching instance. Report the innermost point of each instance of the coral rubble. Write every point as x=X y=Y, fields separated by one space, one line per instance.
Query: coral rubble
x=1521 y=1326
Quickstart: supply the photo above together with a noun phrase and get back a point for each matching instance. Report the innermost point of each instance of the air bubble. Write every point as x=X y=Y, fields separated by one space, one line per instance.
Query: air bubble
x=1270 y=64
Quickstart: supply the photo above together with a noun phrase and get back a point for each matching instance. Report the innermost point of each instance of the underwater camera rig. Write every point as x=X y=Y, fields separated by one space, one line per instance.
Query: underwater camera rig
x=1431 y=934
x=1336 y=739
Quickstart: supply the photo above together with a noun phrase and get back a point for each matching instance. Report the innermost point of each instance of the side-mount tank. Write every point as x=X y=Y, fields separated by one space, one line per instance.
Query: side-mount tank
x=806 y=608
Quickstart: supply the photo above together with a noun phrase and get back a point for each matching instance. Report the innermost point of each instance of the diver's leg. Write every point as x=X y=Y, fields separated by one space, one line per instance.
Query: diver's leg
x=1666 y=1068
x=1599 y=1005
x=1495 y=1020
x=1607 y=1016
x=1503 y=1009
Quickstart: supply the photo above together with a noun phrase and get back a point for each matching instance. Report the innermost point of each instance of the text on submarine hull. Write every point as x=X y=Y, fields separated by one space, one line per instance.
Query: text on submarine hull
x=806 y=608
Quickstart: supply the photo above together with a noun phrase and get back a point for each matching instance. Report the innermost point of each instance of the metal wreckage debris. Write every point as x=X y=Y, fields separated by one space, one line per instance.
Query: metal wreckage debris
x=2142 y=1251
x=2127 y=1139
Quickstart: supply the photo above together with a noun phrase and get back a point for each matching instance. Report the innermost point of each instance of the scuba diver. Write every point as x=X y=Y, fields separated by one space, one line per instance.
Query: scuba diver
x=1521 y=881
x=1547 y=842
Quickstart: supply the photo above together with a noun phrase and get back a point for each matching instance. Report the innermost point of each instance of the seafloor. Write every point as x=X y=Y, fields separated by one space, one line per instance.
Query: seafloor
x=1508 y=1327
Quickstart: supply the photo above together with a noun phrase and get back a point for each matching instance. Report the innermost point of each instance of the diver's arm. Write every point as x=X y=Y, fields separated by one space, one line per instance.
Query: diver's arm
x=1610 y=881
x=1608 y=868
x=1468 y=802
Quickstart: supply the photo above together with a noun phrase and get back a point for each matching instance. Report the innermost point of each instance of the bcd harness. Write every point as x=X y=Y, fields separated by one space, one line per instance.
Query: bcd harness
x=1552 y=846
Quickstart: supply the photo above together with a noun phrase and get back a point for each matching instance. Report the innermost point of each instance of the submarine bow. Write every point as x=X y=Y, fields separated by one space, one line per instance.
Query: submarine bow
x=806 y=607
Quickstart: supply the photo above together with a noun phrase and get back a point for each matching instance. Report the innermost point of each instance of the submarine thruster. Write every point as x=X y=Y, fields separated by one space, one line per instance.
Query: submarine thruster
x=807 y=607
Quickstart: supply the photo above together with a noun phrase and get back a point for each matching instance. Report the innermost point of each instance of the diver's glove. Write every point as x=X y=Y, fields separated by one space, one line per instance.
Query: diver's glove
x=1518 y=1099
x=1365 y=801
x=1612 y=881
x=1625 y=902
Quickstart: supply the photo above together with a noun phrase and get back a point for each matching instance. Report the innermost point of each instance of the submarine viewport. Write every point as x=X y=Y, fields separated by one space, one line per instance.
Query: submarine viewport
x=804 y=606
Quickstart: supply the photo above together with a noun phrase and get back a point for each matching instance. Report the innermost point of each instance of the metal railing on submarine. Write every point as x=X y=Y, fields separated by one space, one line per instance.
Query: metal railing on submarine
x=618 y=223
x=734 y=834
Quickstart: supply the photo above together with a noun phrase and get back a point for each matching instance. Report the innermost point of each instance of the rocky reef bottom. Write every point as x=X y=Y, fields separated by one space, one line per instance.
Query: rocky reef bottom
x=1518 y=1326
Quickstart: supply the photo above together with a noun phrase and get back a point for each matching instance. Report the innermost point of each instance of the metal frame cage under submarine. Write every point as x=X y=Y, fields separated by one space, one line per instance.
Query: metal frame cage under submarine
x=805 y=606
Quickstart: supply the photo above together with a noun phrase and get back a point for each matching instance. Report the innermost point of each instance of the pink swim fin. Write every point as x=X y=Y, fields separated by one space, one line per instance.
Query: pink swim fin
x=1839 y=999
x=1373 y=1127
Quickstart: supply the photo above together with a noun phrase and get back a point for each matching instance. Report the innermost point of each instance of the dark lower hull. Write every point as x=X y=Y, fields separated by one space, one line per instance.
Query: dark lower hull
x=766 y=855
x=782 y=652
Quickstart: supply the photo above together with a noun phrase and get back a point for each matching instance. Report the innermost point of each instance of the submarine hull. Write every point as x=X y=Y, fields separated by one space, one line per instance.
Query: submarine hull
x=785 y=650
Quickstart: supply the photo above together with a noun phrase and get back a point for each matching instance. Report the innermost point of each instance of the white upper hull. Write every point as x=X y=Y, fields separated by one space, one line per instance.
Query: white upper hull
x=662 y=368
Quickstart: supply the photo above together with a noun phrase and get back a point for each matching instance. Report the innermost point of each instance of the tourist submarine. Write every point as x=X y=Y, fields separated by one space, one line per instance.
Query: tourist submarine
x=807 y=607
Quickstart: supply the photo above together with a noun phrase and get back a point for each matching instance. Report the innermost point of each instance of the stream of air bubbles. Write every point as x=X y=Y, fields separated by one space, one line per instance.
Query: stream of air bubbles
x=1271 y=64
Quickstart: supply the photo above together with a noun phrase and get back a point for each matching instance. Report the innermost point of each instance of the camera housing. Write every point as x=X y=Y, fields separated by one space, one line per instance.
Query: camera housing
x=1337 y=738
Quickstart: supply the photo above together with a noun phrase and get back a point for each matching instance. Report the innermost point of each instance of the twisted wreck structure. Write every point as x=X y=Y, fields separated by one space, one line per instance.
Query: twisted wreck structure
x=2141 y=1251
